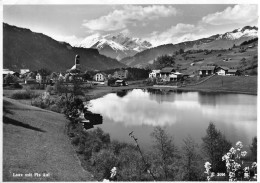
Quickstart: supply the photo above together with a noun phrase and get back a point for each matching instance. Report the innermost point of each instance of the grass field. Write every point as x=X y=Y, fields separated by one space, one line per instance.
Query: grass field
x=238 y=84
x=35 y=141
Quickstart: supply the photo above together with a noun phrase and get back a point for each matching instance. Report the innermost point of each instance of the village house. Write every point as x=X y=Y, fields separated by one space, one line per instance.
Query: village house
x=100 y=77
x=207 y=70
x=154 y=74
x=7 y=71
x=39 y=78
x=225 y=71
x=168 y=74
x=222 y=70
x=232 y=72
x=23 y=71
x=121 y=74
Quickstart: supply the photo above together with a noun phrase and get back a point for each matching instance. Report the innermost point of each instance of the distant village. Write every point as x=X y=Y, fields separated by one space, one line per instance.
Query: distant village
x=25 y=76
x=119 y=77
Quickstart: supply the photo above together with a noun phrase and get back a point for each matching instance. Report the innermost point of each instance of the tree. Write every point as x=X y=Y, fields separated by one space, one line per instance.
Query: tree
x=166 y=153
x=253 y=148
x=44 y=72
x=181 y=51
x=54 y=75
x=214 y=145
x=9 y=78
x=164 y=61
x=191 y=160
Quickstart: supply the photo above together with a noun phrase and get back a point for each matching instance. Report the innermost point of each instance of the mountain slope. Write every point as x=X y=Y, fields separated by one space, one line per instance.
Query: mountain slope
x=23 y=48
x=115 y=46
x=216 y=42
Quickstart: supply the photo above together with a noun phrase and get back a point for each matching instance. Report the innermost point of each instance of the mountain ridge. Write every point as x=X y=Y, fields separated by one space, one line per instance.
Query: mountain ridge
x=23 y=48
x=217 y=42
x=115 y=45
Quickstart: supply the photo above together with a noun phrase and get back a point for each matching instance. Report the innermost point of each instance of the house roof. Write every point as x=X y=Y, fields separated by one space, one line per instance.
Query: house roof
x=232 y=70
x=207 y=68
x=155 y=71
x=178 y=73
x=167 y=70
x=223 y=67
x=104 y=74
x=7 y=71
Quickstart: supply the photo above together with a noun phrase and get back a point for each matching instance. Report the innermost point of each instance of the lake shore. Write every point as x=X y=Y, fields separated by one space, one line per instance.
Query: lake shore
x=101 y=91
x=216 y=84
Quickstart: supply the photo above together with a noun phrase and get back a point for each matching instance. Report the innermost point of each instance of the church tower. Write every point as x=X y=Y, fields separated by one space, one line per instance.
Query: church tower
x=77 y=62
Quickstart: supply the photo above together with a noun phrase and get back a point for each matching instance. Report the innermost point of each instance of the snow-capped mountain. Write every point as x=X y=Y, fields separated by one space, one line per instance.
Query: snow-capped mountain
x=247 y=31
x=215 y=42
x=116 y=46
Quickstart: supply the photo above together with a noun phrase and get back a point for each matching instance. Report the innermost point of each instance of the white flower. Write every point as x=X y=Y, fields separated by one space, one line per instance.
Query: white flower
x=246 y=175
x=239 y=145
x=254 y=165
x=207 y=165
x=113 y=172
x=228 y=154
x=232 y=150
x=225 y=157
x=231 y=174
x=246 y=169
x=237 y=166
x=228 y=165
x=106 y=180
x=243 y=153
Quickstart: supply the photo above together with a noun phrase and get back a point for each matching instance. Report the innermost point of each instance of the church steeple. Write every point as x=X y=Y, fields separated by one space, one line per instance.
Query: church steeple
x=77 y=62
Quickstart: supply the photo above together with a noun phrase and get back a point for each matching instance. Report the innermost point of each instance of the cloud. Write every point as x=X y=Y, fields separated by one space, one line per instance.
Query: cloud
x=242 y=13
x=129 y=15
x=175 y=34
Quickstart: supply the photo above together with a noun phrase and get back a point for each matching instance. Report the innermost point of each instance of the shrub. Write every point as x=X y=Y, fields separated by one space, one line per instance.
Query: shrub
x=21 y=95
x=49 y=89
x=38 y=102
x=32 y=86
x=55 y=108
x=9 y=78
x=24 y=94
x=104 y=161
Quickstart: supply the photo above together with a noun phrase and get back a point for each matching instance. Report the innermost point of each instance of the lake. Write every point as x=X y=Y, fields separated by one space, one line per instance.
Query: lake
x=181 y=113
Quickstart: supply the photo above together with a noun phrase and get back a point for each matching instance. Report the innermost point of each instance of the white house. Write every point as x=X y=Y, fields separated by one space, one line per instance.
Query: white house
x=154 y=73
x=38 y=78
x=207 y=70
x=100 y=77
x=222 y=70
x=23 y=71
x=7 y=71
x=165 y=73
x=232 y=72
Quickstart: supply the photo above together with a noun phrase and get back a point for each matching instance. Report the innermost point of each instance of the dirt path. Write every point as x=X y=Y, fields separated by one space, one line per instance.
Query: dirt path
x=34 y=141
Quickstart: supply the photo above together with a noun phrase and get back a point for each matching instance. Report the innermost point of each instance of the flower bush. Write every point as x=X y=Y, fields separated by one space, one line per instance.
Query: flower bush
x=236 y=168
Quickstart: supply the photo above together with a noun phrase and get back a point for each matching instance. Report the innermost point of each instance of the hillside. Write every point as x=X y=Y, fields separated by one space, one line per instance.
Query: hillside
x=23 y=48
x=215 y=42
x=243 y=84
x=35 y=141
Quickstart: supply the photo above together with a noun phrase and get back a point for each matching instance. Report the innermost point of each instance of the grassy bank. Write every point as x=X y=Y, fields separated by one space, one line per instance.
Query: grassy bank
x=234 y=84
x=35 y=141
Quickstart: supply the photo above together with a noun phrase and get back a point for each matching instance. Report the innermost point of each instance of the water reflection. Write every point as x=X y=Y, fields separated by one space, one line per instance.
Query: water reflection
x=122 y=93
x=182 y=113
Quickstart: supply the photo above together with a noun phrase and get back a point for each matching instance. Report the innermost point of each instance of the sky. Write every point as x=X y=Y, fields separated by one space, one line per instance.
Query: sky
x=156 y=23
